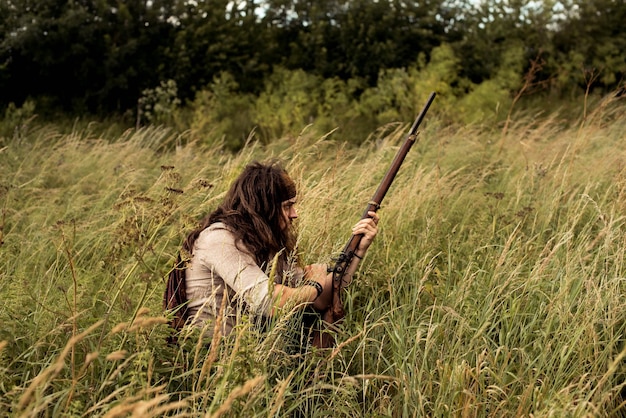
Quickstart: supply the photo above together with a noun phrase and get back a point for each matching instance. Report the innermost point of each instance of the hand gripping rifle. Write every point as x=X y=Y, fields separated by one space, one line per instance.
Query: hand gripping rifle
x=336 y=312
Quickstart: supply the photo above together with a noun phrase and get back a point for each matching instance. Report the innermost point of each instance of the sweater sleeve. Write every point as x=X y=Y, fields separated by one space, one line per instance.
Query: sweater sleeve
x=237 y=268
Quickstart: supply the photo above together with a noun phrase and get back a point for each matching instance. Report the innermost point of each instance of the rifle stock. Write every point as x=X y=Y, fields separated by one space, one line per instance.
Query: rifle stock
x=335 y=313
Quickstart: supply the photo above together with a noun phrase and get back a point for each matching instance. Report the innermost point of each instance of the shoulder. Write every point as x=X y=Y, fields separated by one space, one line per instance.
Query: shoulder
x=216 y=233
x=217 y=241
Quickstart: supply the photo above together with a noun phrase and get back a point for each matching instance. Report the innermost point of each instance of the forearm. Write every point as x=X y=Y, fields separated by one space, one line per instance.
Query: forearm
x=367 y=229
x=293 y=296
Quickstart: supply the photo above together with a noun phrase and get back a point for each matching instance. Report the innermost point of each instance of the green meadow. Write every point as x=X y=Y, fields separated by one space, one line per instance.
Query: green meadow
x=496 y=286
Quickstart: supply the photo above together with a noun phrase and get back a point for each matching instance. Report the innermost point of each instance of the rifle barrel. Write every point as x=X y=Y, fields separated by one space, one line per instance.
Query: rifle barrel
x=385 y=184
x=380 y=193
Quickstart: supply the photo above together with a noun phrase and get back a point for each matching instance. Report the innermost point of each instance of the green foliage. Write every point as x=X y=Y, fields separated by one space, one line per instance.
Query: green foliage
x=98 y=56
x=355 y=39
x=335 y=108
x=221 y=112
x=492 y=99
x=590 y=36
x=157 y=106
x=87 y=56
x=288 y=102
x=398 y=93
x=16 y=120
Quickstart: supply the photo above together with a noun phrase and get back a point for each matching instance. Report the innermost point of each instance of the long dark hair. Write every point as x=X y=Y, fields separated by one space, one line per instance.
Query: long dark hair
x=252 y=211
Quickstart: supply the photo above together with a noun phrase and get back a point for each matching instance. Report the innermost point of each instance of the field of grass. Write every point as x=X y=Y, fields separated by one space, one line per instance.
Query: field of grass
x=496 y=287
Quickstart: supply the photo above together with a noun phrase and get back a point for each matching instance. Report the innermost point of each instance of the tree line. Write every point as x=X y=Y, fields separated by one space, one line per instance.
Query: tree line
x=101 y=56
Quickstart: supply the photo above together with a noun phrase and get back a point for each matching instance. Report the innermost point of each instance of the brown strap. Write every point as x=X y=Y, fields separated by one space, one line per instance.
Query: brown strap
x=175 y=296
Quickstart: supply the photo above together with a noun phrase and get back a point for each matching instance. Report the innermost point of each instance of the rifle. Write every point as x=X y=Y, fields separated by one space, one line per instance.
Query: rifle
x=336 y=312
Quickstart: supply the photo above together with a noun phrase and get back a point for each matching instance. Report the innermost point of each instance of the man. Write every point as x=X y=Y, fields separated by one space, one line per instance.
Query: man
x=241 y=260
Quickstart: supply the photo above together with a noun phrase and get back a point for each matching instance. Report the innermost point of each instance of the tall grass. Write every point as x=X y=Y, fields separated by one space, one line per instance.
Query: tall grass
x=495 y=287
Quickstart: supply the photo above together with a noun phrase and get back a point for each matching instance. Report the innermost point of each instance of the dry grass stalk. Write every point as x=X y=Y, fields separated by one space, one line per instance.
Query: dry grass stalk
x=215 y=342
x=89 y=358
x=236 y=393
x=280 y=394
x=143 y=322
x=138 y=407
x=117 y=355
x=49 y=373
x=343 y=344
x=119 y=327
